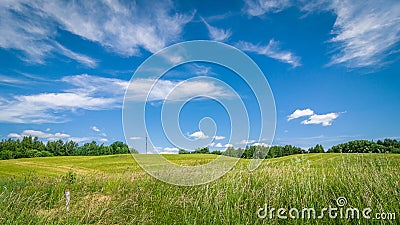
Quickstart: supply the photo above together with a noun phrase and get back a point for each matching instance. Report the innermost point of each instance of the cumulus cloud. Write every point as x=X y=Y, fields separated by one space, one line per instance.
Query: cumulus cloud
x=47 y=136
x=300 y=113
x=169 y=150
x=121 y=27
x=217 y=34
x=260 y=144
x=198 y=135
x=40 y=134
x=94 y=128
x=135 y=138
x=219 y=137
x=246 y=142
x=324 y=119
x=89 y=93
x=271 y=50
x=173 y=90
x=364 y=32
x=103 y=140
x=313 y=118
x=261 y=7
x=218 y=145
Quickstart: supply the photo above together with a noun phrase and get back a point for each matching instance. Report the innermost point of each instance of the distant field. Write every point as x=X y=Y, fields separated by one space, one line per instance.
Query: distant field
x=115 y=190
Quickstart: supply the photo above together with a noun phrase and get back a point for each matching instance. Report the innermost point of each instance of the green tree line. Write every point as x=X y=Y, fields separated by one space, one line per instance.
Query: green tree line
x=29 y=147
x=357 y=146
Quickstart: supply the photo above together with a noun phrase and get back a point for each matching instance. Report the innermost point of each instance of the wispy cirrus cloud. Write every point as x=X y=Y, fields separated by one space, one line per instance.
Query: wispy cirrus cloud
x=324 y=119
x=46 y=136
x=261 y=7
x=88 y=94
x=31 y=27
x=217 y=34
x=40 y=134
x=200 y=135
x=364 y=34
x=94 y=128
x=300 y=113
x=271 y=50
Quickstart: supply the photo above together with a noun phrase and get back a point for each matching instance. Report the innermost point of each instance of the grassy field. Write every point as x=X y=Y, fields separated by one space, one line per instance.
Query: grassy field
x=115 y=190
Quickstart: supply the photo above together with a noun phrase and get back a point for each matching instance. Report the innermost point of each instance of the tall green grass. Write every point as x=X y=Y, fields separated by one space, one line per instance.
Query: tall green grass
x=114 y=190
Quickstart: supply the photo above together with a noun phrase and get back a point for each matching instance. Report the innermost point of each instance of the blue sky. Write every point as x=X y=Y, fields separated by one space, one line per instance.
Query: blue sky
x=333 y=67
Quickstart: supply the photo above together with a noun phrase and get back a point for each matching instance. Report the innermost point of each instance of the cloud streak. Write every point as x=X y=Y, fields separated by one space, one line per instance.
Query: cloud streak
x=271 y=50
x=217 y=34
x=364 y=32
x=31 y=27
x=89 y=93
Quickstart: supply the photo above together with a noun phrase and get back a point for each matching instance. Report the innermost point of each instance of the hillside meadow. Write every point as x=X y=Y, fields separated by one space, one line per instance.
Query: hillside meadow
x=113 y=189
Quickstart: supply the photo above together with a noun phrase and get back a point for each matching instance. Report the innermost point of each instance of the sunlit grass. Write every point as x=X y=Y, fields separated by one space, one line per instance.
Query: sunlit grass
x=114 y=190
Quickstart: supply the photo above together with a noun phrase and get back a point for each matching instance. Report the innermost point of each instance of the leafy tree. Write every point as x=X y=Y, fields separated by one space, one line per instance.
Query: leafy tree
x=317 y=149
x=204 y=150
x=183 y=151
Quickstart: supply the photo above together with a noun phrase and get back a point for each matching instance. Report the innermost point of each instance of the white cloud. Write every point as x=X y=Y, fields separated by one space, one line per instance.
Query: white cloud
x=47 y=107
x=83 y=59
x=218 y=145
x=79 y=139
x=103 y=140
x=40 y=134
x=271 y=50
x=168 y=150
x=94 y=128
x=201 y=135
x=135 y=138
x=31 y=27
x=300 y=113
x=198 y=135
x=173 y=90
x=216 y=137
x=89 y=93
x=28 y=29
x=365 y=31
x=245 y=142
x=14 y=135
x=212 y=144
x=53 y=136
x=89 y=84
x=99 y=93
x=261 y=7
x=260 y=144
x=217 y=34
x=324 y=119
